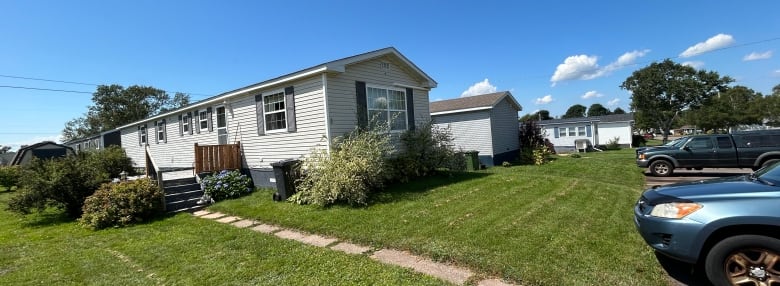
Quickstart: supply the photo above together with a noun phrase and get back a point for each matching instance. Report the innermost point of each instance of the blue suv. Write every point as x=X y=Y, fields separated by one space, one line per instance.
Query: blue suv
x=729 y=226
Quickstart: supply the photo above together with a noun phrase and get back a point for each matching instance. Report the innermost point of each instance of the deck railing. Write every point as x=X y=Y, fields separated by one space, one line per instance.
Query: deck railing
x=214 y=158
x=153 y=172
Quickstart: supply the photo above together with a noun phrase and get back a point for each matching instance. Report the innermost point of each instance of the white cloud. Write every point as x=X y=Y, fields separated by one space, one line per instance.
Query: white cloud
x=777 y=73
x=544 y=100
x=757 y=56
x=591 y=94
x=482 y=87
x=613 y=102
x=694 y=64
x=629 y=58
x=586 y=67
x=576 y=67
x=716 y=42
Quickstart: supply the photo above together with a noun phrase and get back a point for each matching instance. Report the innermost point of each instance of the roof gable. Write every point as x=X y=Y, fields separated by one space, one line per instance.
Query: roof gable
x=472 y=103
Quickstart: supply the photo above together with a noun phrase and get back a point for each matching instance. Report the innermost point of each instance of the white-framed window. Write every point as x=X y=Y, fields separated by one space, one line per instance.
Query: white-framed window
x=572 y=131
x=387 y=106
x=562 y=132
x=581 y=131
x=185 y=124
x=275 y=111
x=161 y=131
x=203 y=120
x=142 y=134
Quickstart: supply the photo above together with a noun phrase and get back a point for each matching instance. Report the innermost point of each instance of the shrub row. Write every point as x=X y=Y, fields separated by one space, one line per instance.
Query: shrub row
x=121 y=204
x=9 y=177
x=226 y=185
x=364 y=160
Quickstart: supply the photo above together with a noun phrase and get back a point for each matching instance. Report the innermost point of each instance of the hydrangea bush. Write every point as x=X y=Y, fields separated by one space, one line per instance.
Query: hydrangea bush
x=226 y=185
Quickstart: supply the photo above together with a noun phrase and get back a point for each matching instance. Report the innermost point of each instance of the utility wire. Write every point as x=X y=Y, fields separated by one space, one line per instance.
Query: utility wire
x=44 y=89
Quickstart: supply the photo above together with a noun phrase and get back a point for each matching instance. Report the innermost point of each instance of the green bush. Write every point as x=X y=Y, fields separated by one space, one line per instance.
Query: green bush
x=541 y=155
x=226 y=185
x=9 y=177
x=63 y=183
x=423 y=151
x=355 y=166
x=112 y=160
x=122 y=204
x=531 y=140
x=613 y=144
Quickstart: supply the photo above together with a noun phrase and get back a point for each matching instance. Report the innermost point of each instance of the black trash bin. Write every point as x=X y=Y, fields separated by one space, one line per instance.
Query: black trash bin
x=284 y=172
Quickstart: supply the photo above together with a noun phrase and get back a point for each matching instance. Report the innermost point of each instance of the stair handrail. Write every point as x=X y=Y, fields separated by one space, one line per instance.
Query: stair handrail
x=153 y=171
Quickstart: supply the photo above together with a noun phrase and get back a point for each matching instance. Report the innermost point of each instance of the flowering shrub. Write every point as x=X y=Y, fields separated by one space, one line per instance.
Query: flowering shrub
x=122 y=204
x=226 y=185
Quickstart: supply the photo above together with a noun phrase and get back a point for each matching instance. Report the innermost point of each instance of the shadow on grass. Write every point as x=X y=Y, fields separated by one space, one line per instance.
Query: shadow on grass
x=46 y=218
x=419 y=186
x=682 y=273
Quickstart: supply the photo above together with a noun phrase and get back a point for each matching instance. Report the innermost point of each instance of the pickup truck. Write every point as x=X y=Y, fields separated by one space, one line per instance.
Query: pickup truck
x=748 y=149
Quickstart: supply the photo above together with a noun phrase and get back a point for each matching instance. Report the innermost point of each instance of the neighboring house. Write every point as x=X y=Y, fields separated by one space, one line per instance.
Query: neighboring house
x=6 y=158
x=96 y=142
x=486 y=123
x=42 y=150
x=288 y=116
x=600 y=130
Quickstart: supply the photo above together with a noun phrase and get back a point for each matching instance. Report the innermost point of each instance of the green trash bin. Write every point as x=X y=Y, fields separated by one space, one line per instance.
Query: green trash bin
x=472 y=160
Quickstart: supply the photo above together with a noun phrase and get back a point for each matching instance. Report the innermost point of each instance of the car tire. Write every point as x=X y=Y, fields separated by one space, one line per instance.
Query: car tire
x=661 y=168
x=744 y=258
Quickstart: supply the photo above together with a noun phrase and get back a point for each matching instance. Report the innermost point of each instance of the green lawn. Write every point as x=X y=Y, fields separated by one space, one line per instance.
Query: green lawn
x=565 y=223
x=178 y=250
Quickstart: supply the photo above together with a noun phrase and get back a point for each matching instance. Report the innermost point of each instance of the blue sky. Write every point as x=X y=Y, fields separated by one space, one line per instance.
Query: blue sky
x=549 y=54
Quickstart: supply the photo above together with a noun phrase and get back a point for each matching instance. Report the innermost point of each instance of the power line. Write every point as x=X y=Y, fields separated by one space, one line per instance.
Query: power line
x=44 y=89
x=49 y=80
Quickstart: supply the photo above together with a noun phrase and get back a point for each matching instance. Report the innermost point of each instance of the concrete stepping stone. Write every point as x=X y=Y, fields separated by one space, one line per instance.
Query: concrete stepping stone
x=213 y=215
x=229 y=219
x=449 y=273
x=494 y=282
x=244 y=223
x=201 y=213
x=266 y=228
x=351 y=248
x=317 y=240
x=291 y=234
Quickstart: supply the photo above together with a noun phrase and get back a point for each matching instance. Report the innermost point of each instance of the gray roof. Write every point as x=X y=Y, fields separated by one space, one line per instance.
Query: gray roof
x=483 y=101
x=603 y=118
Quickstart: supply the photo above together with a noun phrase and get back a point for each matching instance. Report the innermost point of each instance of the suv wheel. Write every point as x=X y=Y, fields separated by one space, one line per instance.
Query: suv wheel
x=744 y=260
x=661 y=168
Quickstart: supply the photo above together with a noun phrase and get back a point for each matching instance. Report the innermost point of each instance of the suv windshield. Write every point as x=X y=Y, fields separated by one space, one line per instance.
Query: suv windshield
x=677 y=142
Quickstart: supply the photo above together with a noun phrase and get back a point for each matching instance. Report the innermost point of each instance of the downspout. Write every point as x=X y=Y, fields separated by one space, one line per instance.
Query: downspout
x=326 y=110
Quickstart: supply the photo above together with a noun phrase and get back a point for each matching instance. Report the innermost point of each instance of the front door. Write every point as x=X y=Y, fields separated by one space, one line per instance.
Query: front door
x=222 y=134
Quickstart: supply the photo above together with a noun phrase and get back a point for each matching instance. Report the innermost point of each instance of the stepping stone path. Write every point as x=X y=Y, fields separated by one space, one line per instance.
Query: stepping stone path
x=450 y=273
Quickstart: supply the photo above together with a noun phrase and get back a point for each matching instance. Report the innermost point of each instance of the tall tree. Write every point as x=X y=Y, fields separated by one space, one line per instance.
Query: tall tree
x=575 y=111
x=114 y=106
x=734 y=106
x=618 y=110
x=4 y=149
x=539 y=115
x=597 y=109
x=771 y=107
x=662 y=90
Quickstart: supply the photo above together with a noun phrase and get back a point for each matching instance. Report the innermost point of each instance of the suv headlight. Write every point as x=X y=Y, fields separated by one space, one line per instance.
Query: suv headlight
x=675 y=210
x=641 y=156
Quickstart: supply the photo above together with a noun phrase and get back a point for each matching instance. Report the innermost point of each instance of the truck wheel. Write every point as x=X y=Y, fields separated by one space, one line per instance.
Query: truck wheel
x=661 y=168
x=769 y=162
x=754 y=259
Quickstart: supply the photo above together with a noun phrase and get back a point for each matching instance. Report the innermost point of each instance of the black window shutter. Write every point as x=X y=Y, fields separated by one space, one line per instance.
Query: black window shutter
x=362 y=104
x=156 y=129
x=165 y=131
x=181 y=125
x=410 y=108
x=189 y=119
x=556 y=131
x=140 y=142
x=290 y=108
x=208 y=112
x=197 y=121
x=260 y=117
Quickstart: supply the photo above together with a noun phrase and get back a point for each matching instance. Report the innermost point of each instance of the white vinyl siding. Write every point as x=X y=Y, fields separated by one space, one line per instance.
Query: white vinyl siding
x=470 y=131
x=342 y=104
x=504 y=127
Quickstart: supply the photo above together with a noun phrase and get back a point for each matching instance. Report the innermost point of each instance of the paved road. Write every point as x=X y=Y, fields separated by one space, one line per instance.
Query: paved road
x=680 y=274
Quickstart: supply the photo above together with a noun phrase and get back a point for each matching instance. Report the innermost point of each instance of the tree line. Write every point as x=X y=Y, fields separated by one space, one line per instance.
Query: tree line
x=667 y=95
